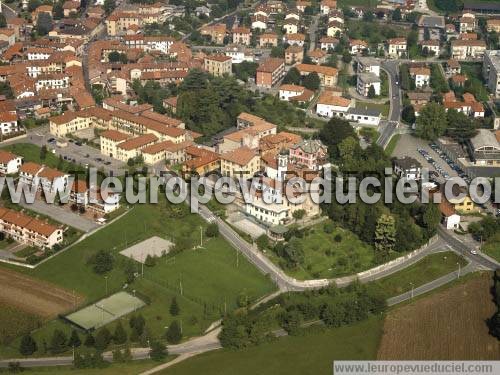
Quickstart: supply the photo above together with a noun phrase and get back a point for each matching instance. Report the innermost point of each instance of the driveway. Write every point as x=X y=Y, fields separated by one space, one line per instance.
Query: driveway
x=62 y=215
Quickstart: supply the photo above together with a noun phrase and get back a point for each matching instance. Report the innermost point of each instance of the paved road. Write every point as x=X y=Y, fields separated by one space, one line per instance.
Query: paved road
x=471 y=267
x=391 y=67
x=312 y=32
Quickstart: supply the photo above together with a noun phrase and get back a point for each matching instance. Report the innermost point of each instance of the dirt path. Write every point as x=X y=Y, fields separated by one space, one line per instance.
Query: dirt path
x=35 y=296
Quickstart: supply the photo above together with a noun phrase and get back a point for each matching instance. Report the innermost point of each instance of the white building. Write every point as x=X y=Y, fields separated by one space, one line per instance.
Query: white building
x=367 y=80
x=9 y=123
x=421 y=76
x=368 y=65
x=329 y=105
x=396 y=47
x=364 y=116
x=408 y=168
x=9 y=163
x=491 y=71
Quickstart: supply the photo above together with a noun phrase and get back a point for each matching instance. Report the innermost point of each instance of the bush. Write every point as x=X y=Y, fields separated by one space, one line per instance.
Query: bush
x=338 y=238
x=212 y=230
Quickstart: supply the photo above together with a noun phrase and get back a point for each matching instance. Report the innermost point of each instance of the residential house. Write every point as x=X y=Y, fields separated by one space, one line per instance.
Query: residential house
x=329 y=105
x=268 y=40
x=431 y=46
x=311 y=154
x=295 y=39
x=294 y=54
x=326 y=6
x=216 y=32
x=242 y=35
x=291 y=26
x=396 y=47
x=421 y=75
x=327 y=75
x=328 y=43
x=334 y=29
x=463 y=49
x=242 y=162
x=288 y=92
x=357 y=46
x=9 y=162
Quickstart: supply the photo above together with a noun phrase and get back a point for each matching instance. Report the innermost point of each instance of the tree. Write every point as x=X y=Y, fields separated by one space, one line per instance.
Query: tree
x=460 y=127
x=371 y=92
x=119 y=336
x=212 y=230
x=58 y=11
x=43 y=152
x=102 y=339
x=278 y=51
x=346 y=57
x=137 y=323
x=396 y=15
x=150 y=261
x=292 y=77
x=299 y=214
x=245 y=70
x=58 y=342
x=114 y=56
x=43 y=23
x=33 y=4
x=102 y=262
x=89 y=340
x=158 y=351
x=333 y=133
x=294 y=252
x=431 y=122
x=3 y=21
x=74 y=339
x=408 y=114
x=368 y=16
x=174 y=307
x=262 y=242
x=109 y=6
x=431 y=218
x=28 y=345
x=174 y=333
x=385 y=236
x=311 y=81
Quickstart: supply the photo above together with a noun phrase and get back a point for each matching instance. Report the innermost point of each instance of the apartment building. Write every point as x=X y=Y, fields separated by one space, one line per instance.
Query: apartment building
x=367 y=80
x=463 y=49
x=218 y=65
x=9 y=124
x=491 y=71
x=242 y=35
x=110 y=139
x=294 y=54
x=270 y=72
x=28 y=230
x=131 y=148
x=242 y=162
x=268 y=40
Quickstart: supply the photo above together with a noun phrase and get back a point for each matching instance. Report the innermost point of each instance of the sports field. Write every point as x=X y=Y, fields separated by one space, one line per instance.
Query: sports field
x=105 y=311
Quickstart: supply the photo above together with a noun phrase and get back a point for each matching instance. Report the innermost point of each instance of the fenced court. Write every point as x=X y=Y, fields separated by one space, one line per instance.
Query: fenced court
x=105 y=311
x=153 y=246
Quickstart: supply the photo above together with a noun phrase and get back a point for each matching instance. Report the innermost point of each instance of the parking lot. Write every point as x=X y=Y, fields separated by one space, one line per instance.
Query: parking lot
x=429 y=157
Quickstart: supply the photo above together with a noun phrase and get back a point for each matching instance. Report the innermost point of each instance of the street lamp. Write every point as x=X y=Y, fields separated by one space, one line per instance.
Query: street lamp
x=411 y=290
x=106 y=278
x=458 y=275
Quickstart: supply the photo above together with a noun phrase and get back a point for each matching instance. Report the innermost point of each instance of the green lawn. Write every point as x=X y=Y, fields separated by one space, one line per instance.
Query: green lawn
x=211 y=280
x=309 y=354
x=392 y=144
x=129 y=368
x=492 y=247
x=430 y=268
x=31 y=152
x=325 y=257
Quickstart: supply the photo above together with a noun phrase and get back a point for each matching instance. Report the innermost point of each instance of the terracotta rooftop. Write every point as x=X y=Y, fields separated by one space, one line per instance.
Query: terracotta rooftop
x=241 y=156
x=138 y=142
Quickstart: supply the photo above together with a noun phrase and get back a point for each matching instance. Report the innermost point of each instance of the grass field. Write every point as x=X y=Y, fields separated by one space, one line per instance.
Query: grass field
x=31 y=152
x=392 y=144
x=129 y=368
x=211 y=281
x=492 y=247
x=447 y=325
x=325 y=257
x=14 y=322
x=430 y=268
x=294 y=355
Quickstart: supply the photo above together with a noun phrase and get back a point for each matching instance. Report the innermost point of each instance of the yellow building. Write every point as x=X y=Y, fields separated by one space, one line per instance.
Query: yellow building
x=242 y=162
x=131 y=148
x=218 y=65
x=110 y=139
x=464 y=205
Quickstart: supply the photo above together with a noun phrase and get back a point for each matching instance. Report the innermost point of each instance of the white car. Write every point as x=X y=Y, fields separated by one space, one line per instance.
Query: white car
x=473 y=252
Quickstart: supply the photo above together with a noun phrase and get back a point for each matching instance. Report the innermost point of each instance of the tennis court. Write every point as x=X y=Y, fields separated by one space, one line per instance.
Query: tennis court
x=105 y=311
x=153 y=246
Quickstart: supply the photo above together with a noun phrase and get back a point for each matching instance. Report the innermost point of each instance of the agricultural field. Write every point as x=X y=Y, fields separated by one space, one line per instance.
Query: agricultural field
x=330 y=254
x=430 y=268
x=312 y=353
x=206 y=282
x=129 y=368
x=446 y=325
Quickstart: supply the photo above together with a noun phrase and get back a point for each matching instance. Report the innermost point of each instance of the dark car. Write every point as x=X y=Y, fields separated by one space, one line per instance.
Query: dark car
x=78 y=143
x=51 y=140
